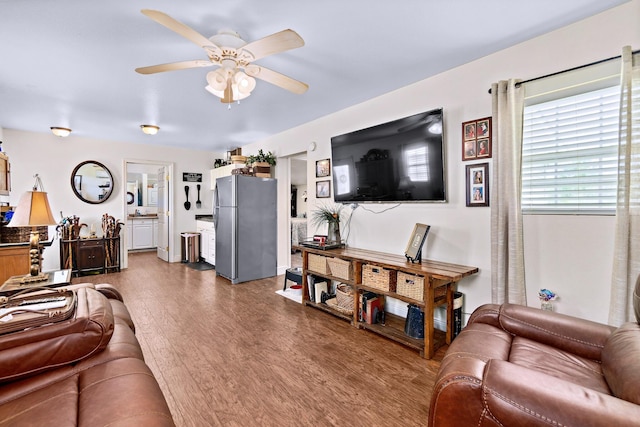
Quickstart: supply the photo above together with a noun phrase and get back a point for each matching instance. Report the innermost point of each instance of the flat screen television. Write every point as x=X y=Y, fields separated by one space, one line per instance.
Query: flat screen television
x=398 y=161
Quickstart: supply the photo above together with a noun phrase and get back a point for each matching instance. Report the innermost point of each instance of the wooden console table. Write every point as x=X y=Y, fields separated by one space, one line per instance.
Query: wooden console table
x=440 y=280
x=97 y=255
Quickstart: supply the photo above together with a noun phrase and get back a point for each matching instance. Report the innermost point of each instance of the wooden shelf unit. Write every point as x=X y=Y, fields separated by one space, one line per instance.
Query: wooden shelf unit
x=436 y=274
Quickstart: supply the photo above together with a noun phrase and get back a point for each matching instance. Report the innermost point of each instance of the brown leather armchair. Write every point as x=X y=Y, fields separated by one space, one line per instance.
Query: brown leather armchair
x=520 y=366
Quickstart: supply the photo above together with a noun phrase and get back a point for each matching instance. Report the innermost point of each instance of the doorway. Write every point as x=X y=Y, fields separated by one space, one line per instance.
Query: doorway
x=298 y=196
x=147 y=193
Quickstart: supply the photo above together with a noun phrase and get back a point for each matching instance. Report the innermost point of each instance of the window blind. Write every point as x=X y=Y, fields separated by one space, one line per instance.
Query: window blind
x=569 y=157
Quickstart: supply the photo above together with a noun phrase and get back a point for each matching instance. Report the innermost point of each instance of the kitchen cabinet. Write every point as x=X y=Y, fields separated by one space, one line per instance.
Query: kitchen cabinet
x=142 y=233
x=5 y=175
x=129 y=235
x=207 y=241
x=223 y=171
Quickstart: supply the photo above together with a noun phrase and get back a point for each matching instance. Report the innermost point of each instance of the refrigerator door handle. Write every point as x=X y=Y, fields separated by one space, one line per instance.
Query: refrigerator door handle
x=216 y=208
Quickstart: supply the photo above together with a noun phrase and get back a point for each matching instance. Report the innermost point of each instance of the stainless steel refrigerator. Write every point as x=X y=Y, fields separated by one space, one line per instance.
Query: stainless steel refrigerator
x=245 y=220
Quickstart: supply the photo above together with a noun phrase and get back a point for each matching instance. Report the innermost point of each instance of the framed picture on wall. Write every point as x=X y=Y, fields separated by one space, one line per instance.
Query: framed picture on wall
x=476 y=139
x=323 y=189
x=323 y=168
x=477 y=182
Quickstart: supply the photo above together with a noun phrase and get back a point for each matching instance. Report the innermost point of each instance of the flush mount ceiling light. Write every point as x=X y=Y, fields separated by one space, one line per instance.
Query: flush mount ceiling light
x=61 y=132
x=149 y=129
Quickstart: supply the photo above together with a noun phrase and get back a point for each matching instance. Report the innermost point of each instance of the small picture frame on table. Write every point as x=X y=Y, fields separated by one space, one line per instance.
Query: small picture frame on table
x=323 y=189
x=477 y=182
x=476 y=139
x=323 y=168
x=413 y=252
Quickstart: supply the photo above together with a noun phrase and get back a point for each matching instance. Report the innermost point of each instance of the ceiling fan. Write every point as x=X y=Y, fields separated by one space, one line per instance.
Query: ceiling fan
x=235 y=78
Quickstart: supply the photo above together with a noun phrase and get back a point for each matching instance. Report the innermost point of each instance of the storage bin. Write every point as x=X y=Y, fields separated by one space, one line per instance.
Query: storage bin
x=410 y=285
x=377 y=277
x=340 y=268
x=190 y=247
x=318 y=263
x=344 y=297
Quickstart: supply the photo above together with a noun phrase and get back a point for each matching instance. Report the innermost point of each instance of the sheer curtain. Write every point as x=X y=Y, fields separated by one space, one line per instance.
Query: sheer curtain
x=507 y=247
x=626 y=261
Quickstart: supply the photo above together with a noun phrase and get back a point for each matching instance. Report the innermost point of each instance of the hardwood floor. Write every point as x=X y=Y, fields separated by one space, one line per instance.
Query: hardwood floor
x=241 y=355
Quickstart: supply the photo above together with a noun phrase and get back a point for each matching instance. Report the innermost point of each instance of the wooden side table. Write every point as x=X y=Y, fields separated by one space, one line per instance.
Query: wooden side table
x=56 y=278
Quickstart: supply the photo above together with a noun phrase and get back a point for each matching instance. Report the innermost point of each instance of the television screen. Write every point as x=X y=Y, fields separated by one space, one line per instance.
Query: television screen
x=398 y=161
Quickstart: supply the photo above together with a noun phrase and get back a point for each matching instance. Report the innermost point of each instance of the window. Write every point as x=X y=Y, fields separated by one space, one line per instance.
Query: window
x=569 y=156
x=570 y=140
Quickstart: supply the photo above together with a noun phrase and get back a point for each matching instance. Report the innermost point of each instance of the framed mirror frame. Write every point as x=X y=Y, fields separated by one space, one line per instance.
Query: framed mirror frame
x=94 y=187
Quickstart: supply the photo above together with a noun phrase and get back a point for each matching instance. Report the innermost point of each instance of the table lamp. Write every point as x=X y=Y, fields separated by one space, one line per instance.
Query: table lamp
x=33 y=211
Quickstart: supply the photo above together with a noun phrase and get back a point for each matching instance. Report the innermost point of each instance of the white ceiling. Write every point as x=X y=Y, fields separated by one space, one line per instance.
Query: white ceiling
x=71 y=63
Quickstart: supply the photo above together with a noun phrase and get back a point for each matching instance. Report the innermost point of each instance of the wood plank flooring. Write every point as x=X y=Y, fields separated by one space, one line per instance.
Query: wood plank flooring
x=241 y=355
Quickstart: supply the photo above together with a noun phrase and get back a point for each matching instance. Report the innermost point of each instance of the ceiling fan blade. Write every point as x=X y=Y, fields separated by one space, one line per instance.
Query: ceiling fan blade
x=277 y=79
x=180 y=28
x=275 y=43
x=172 y=66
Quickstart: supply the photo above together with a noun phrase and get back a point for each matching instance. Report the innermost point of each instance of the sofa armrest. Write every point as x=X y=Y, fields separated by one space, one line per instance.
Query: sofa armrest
x=109 y=291
x=577 y=336
x=488 y=314
x=515 y=395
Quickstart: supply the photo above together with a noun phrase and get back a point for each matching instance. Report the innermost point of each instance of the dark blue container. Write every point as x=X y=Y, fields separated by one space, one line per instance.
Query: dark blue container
x=414 y=325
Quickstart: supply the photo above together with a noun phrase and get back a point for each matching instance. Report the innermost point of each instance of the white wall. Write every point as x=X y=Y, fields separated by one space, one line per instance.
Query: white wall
x=570 y=255
x=54 y=159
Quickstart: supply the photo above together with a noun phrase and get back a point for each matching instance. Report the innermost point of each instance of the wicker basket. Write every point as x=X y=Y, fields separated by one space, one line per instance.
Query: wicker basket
x=238 y=159
x=21 y=234
x=318 y=263
x=339 y=268
x=379 y=278
x=410 y=285
x=344 y=297
x=334 y=305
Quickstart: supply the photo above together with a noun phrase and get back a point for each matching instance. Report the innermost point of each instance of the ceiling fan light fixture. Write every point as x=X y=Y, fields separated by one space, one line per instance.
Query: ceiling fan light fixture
x=61 y=132
x=244 y=83
x=217 y=79
x=236 y=94
x=150 y=129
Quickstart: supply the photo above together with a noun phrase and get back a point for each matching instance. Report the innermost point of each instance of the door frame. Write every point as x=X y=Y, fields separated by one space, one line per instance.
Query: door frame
x=287 y=160
x=170 y=166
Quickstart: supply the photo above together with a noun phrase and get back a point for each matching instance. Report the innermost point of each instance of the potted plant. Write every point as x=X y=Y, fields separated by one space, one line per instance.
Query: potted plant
x=261 y=163
x=329 y=214
x=262 y=159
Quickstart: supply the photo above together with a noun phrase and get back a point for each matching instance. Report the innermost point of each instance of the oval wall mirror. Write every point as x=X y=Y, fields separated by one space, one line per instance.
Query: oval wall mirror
x=92 y=182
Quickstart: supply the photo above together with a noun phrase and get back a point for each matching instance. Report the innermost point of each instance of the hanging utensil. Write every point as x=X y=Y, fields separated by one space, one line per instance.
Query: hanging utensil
x=198 y=202
x=187 y=204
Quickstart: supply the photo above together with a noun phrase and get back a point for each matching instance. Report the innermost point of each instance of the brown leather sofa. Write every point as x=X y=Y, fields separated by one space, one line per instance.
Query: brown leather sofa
x=88 y=371
x=520 y=366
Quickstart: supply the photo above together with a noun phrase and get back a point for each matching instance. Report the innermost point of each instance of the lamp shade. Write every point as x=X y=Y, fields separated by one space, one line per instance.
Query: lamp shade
x=33 y=210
